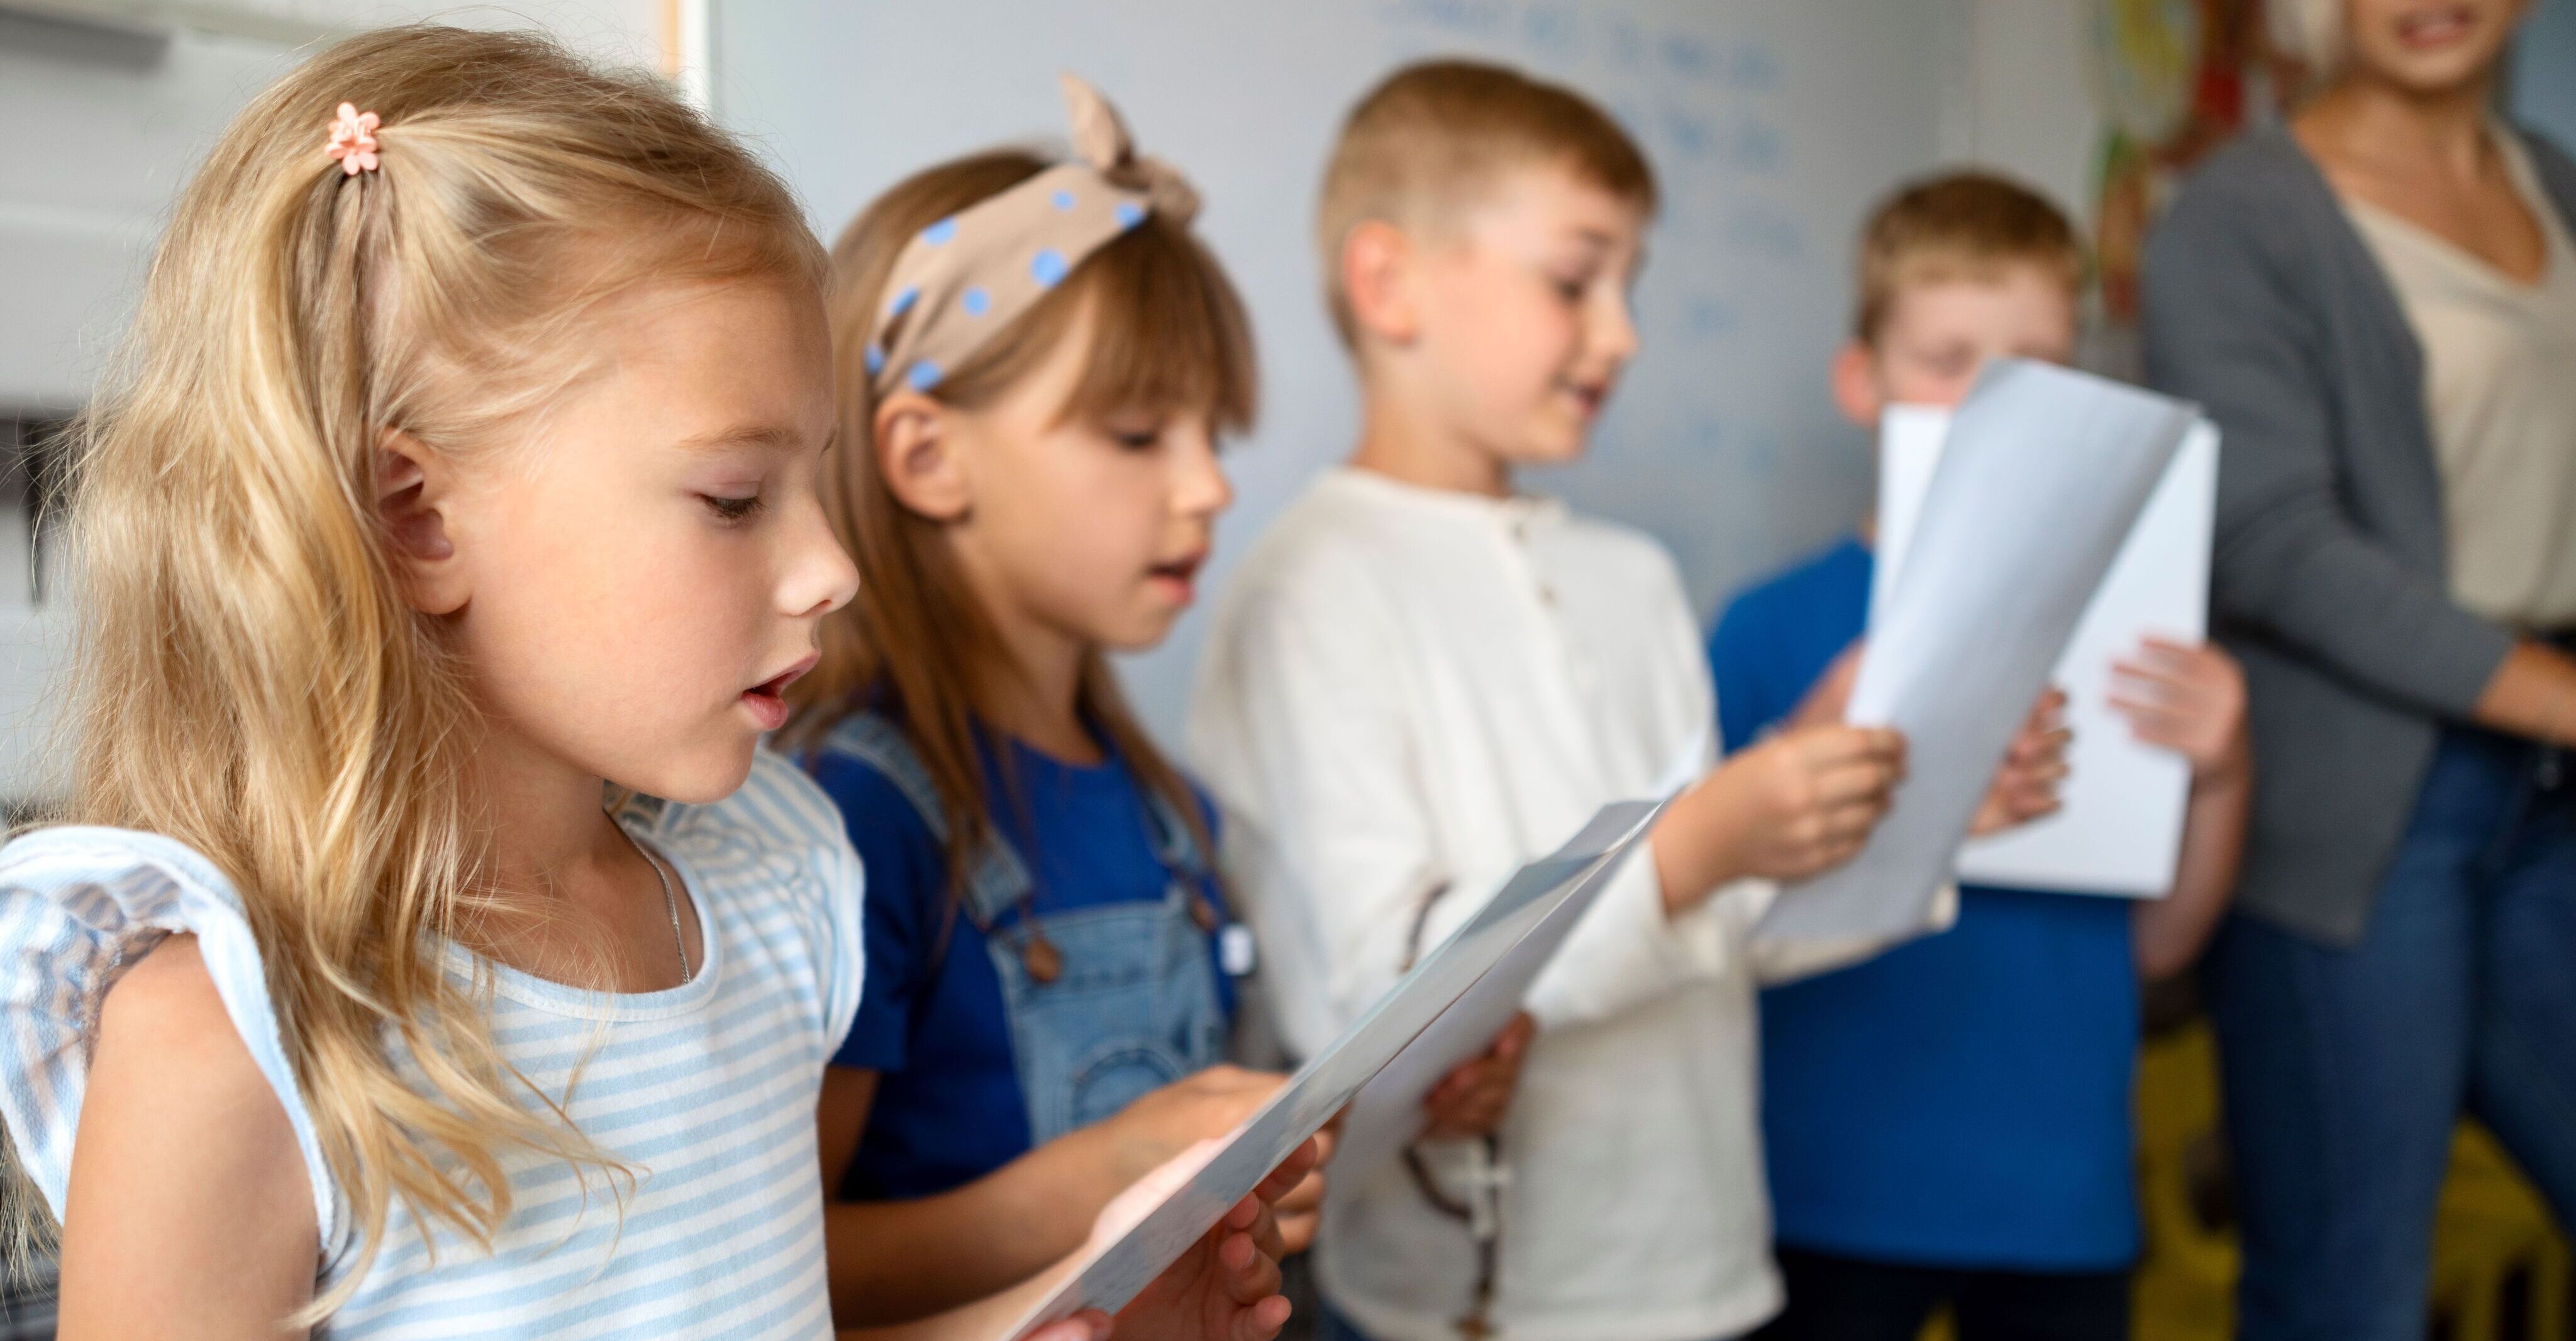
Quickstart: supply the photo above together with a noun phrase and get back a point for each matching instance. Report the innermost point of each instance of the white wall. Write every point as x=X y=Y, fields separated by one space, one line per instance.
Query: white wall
x=99 y=124
x=1773 y=123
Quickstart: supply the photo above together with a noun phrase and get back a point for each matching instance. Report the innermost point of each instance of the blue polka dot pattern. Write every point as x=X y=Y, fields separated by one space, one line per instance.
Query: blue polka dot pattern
x=1047 y=267
x=1129 y=214
x=875 y=360
x=1064 y=200
x=938 y=234
x=976 y=302
x=924 y=375
x=903 y=300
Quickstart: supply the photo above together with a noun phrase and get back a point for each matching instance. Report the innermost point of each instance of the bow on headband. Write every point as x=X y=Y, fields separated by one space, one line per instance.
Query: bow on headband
x=969 y=276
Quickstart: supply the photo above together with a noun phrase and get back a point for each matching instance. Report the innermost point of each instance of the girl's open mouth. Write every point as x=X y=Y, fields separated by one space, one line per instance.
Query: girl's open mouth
x=767 y=700
x=1180 y=575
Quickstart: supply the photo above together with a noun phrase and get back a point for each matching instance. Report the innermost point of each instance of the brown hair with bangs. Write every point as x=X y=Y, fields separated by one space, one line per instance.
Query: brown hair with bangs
x=1959 y=225
x=1166 y=331
x=1433 y=137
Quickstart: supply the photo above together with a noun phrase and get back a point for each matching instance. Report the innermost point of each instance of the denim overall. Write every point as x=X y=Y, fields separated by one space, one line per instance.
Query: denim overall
x=1133 y=1004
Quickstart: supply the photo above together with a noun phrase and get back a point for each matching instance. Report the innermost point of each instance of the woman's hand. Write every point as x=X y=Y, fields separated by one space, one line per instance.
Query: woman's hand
x=1472 y=1099
x=2025 y=787
x=2190 y=699
x=1226 y=1287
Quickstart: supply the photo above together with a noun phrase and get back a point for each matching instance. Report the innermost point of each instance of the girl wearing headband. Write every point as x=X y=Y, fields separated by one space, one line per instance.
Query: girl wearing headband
x=464 y=472
x=1037 y=360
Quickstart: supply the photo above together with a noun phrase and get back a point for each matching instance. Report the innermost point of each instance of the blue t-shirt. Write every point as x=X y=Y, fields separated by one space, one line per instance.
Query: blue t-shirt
x=948 y=1106
x=1962 y=1100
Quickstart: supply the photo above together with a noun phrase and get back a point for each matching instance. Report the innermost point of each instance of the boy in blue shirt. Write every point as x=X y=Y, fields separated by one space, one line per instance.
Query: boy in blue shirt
x=1950 y=1122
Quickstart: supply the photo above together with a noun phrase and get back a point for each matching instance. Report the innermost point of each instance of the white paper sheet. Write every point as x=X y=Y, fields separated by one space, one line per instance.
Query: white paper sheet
x=2044 y=473
x=1539 y=903
x=2120 y=831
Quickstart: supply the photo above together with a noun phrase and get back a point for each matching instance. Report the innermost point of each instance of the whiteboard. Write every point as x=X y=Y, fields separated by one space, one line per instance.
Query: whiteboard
x=1773 y=124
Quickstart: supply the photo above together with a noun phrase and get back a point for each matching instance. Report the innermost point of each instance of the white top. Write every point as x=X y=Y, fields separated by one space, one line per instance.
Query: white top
x=1409 y=691
x=709 y=1088
x=2500 y=386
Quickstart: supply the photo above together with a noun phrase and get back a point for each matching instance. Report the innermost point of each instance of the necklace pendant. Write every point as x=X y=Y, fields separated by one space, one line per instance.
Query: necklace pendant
x=1039 y=956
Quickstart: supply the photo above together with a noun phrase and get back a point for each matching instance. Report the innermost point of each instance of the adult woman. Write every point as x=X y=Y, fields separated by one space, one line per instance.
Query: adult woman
x=2377 y=304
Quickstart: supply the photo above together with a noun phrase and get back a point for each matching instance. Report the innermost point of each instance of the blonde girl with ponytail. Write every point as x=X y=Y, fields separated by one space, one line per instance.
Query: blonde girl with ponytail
x=461 y=476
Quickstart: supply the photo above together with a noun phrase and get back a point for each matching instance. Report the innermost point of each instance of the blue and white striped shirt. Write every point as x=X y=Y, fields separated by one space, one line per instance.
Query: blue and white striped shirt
x=707 y=1090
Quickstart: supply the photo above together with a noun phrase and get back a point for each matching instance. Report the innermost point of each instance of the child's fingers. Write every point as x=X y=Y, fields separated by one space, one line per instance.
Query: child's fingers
x=1293 y=1170
x=1088 y=1325
x=1307 y=1195
x=2044 y=743
x=2179 y=655
x=1844 y=783
x=1262 y=1321
x=2141 y=678
x=1246 y=1260
x=1250 y=1266
x=1826 y=746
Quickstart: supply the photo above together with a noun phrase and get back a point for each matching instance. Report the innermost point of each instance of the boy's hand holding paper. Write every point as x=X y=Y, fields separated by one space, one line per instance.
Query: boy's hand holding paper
x=2037 y=487
x=1800 y=802
x=2025 y=788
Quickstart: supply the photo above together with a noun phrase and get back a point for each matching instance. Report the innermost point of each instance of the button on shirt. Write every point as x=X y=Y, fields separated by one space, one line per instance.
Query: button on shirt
x=1408 y=693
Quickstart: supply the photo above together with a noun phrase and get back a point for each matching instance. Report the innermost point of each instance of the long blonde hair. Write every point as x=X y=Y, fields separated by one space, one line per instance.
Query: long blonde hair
x=250 y=680
x=1167 y=332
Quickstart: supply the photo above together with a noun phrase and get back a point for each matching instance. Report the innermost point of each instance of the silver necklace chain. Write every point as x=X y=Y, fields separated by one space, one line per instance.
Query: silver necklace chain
x=670 y=901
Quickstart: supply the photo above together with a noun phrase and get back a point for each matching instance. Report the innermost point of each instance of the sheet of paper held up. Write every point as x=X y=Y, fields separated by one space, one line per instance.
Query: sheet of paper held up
x=2120 y=831
x=1539 y=903
x=2043 y=474
x=1387 y=1113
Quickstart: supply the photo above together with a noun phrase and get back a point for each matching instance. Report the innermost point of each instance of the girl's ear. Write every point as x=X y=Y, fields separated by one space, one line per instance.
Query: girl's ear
x=412 y=498
x=1377 y=281
x=917 y=453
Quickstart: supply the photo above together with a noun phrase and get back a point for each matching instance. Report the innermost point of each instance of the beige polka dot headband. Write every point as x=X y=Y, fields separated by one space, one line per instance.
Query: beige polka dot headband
x=967 y=277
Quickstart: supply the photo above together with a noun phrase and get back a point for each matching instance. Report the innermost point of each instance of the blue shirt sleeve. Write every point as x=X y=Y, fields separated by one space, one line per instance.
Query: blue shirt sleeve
x=907 y=890
x=1778 y=637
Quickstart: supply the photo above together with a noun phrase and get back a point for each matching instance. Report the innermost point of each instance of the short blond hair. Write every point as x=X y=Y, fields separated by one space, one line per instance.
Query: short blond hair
x=1435 y=134
x=1959 y=225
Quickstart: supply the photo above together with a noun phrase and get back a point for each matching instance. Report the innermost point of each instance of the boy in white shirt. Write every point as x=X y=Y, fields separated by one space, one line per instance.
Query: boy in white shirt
x=1420 y=679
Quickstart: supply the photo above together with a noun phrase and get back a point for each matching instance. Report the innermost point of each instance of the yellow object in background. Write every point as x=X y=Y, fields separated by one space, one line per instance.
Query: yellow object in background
x=2500 y=1268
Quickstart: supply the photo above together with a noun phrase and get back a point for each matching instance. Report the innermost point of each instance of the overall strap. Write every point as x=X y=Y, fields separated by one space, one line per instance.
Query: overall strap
x=997 y=880
x=1169 y=830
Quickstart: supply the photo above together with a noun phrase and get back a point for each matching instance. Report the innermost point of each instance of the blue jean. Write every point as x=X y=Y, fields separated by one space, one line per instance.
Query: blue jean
x=2345 y=1069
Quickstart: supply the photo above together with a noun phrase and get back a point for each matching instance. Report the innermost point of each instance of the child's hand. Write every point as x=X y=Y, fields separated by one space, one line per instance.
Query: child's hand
x=2025 y=787
x=1226 y=1287
x=1162 y=1123
x=1471 y=1100
x=1831 y=693
x=2188 y=699
x=1800 y=802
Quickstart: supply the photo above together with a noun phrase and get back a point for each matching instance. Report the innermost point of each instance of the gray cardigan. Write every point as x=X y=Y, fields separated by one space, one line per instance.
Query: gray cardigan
x=2262 y=304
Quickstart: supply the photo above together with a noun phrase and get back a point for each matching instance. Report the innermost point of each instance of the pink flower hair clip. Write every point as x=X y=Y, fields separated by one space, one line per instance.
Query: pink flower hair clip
x=353 y=140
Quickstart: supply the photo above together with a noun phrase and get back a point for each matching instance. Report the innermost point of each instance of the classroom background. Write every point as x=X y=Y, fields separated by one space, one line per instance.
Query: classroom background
x=1773 y=123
